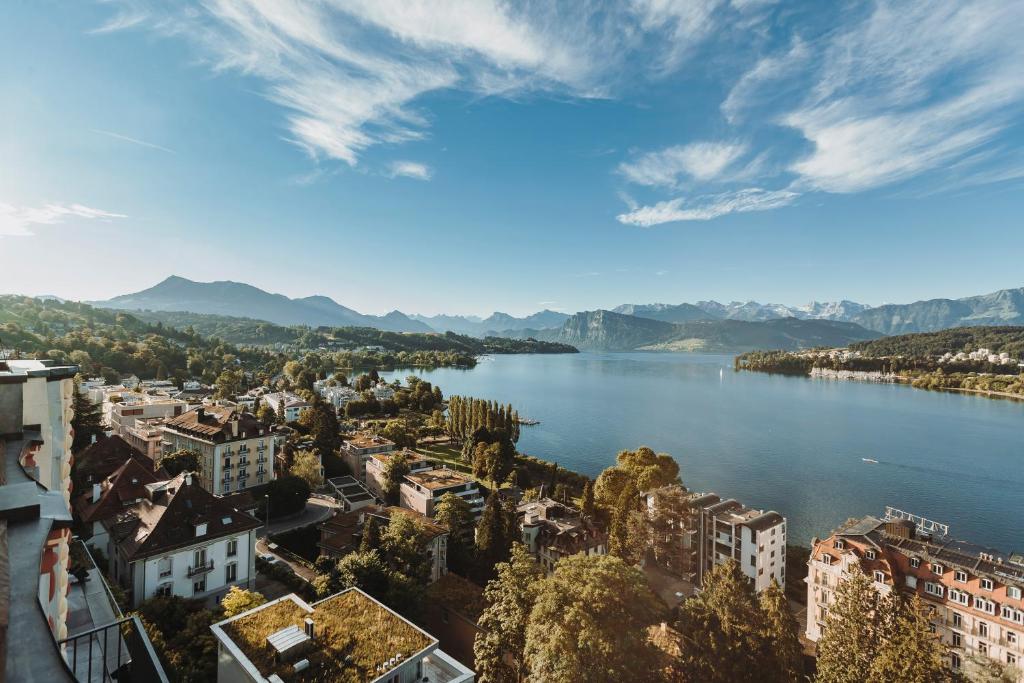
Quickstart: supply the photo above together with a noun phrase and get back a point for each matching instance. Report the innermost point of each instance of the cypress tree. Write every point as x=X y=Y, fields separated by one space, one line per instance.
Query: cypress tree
x=492 y=542
x=87 y=421
x=782 y=652
x=849 y=642
x=619 y=542
x=910 y=653
x=587 y=506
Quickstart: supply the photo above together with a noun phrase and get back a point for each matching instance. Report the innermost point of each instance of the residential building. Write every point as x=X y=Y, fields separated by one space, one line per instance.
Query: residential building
x=357 y=449
x=348 y=637
x=974 y=595
x=337 y=395
x=383 y=392
x=146 y=436
x=38 y=641
x=237 y=449
x=377 y=463
x=106 y=499
x=343 y=534
x=180 y=539
x=421 y=490
x=551 y=530
x=293 y=404
x=350 y=493
x=709 y=531
x=121 y=410
x=452 y=612
x=102 y=458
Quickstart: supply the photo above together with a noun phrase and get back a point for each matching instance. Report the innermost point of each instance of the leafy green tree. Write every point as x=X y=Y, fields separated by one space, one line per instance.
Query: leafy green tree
x=500 y=645
x=229 y=384
x=87 y=422
x=403 y=547
x=287 y=495
x=366 y=571
x=780 y=644
x=589 y=622
x=267 y=415
x=849 y=642
x=722 y=630
x=307 y=466
x=326 y=431
x=238 y=600
x=371 y=535
x=184 y=460
x=645 y=468
x=401 y=432
x=622 y=542
x=395 y=469
x=909 y=652
x=455 y=513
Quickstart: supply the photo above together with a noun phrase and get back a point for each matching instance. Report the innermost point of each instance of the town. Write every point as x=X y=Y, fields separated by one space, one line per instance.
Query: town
x=328 y=528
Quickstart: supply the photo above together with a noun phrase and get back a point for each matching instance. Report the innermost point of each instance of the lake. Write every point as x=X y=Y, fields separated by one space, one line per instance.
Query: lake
x=791 y=444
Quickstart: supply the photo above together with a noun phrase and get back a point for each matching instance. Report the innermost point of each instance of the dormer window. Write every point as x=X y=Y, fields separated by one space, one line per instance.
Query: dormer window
x=839 y=544
x=937 y=568
x=986 y=584
x=915 y=562
x=1013 y=593
x=960 y=576
x=200 y=529
x=879 y=576
x=871 y=554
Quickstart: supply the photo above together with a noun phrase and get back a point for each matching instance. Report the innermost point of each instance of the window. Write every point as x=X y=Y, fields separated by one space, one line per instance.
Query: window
x=954 y=661
x=937 y=568
x=840 y=544
x=915 y=562
x=165 y=566
x=960 y=576
x=958 y=619
x=199 y=558
x=232 y=547
x=753 y=560
x=1013 y=592
x=983 y=629
x=871 y=554
x=984 y=605
x=958 y=640
x=199 y=586
x=935 y=589
x=230 y=572
x=911 y=581
x=1011 y=637
x=983 y=647
x=986 y=584
x=879 y=576
x=1011 y=658
x=164 y=590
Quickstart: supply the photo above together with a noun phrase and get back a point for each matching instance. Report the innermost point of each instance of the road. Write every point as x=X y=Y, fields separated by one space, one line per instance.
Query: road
x=317 y=510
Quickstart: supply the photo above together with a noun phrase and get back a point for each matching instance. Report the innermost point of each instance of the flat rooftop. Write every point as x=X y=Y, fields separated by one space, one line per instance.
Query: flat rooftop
x=439 y=479
x=411 y=456
x=364 y=440
x=355 y=638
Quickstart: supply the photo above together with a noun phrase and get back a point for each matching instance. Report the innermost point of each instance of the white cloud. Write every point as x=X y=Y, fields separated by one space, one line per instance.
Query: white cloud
x=17 y=221
x=134 y=141
x=410 y=169
x=751 y=88
x=702 y=161
x=687 y=22
x=706 y=208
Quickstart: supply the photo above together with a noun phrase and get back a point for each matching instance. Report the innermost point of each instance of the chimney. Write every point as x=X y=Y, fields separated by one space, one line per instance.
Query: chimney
x=310 y=630
x=93 y=439
x=188 y=479
x=234 y=427
x=95 y=492
x=200 y=414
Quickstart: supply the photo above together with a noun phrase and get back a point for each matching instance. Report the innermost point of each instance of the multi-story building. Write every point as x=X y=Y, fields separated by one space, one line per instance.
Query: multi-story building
x=102 y=458
x=146 y=436
x=293 y=404
x=707 y=531
x=377 y=463
x=106 y=499
x=551 y=530
x=383 y=392
x=421 y=490
x=337 y=395
x=121 y=410
x=357 y=449
x=346 y=637
x=343 y=533
x=237 y=449
x=36 y=639
x=974 y=595
x=179 y=539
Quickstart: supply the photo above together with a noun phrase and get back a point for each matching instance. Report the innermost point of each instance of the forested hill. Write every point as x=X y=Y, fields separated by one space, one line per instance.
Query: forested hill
x=1001 y=339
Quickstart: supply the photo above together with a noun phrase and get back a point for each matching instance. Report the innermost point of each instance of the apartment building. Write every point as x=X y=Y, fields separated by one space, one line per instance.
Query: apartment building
x=357 y=449
x=107 y=498
x=237 y=449
x=347 y=637
x=146 y=436
x=38 y=641
x=292 y=404
x=377 y=463
x=974 y=595
x=179 y=539
x=121 y=410
x=707 y=531
x=421 y=490
x=335 y=394
x=551 y=530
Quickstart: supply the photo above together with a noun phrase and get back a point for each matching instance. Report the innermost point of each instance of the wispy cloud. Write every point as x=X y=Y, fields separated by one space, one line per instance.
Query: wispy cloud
x=699 y=160
x=763 y=81
x=17 y=221
x=134 y=141
x=410 y=169
x=706 y=208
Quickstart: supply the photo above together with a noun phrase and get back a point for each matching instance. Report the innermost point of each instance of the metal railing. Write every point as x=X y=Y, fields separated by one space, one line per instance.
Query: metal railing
x=119 y=651
x=201 y=569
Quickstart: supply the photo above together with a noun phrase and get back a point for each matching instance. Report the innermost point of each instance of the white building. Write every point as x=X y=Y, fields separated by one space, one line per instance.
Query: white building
x=122 y=409
x=337 y=395
x=348 y=636
x=293 y=404
x=180 y=539
x=383 y=392
x=421 y=490
x=357 y=449
x=378 y=462
x=237 y=449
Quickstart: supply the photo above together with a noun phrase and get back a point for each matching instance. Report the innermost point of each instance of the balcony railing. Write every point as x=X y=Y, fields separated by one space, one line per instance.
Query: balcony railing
x=118 y=651
x=201 y=569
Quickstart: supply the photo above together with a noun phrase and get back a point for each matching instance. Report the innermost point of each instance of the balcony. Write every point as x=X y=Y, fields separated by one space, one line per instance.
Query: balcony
x=201 y=569
x=118 y=651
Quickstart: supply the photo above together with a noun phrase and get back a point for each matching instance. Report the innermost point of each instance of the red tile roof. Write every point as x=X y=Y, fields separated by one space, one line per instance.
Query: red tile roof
x=125 y=486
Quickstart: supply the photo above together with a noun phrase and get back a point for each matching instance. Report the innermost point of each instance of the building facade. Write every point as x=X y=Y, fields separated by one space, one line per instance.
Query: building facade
x=237 y=449
x=551 y=530
x=974 y=595
x=421 y=490
x=357 y=449
x=377 y=463
x=292 y=404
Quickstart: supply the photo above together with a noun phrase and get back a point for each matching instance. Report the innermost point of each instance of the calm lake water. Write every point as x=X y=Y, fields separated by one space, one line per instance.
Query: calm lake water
x=787 y=443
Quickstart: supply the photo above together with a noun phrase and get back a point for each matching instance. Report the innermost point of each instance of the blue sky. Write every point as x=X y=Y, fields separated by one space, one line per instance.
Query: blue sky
x=465 y=157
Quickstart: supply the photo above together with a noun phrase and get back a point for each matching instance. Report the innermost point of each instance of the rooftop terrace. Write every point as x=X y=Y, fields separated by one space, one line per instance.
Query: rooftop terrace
x=439 y=479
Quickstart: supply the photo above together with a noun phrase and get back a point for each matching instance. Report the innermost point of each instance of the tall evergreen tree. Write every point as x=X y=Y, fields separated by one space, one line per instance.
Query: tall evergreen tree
x=454 y=512
x=783 y=656
x=87 y=421
x=492 y=538
x=849 y=642
x=587 y=504
x=500 y=644
x=910 y=652
x=371 y=536
x=620 y=543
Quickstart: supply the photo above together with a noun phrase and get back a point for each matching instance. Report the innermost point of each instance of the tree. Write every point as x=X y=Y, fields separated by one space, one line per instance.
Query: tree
x=325 y=429
x=403 y=547
x=780 y=644
x=87 y=422
x=492 y=534
x=621 y=541
x=279 y=415
x=184 y=460
x=395 y=469
x=849 y=642
x=365 y=571
x=909 y=651
x=267 y=415
x=722 y=630
x=455 y=513
x=401 y=432
x=229 y=384
x=238 y=600
x=589 y=622
x=500 y=645
x=371 y=535
x=587 y=501
x=287 y=495
x=647 y=470
x=307 y=466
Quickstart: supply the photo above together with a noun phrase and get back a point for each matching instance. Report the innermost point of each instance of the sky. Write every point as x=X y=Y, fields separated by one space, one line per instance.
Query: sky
x=468 y=156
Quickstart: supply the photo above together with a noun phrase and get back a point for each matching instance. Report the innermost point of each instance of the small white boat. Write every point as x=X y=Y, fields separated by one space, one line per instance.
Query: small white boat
x=870 y=460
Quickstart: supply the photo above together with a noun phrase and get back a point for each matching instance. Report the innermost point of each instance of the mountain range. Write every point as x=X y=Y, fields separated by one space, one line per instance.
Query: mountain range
x=618 y=328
